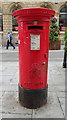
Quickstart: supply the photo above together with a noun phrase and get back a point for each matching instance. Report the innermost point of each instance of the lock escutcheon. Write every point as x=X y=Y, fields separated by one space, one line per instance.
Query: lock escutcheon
x=43 y=63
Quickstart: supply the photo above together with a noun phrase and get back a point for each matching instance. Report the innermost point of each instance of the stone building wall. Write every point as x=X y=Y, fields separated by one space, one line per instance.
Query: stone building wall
x=7 y=7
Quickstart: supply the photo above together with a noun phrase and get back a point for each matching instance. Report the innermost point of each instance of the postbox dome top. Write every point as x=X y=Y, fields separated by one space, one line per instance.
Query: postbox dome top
x=33 y=13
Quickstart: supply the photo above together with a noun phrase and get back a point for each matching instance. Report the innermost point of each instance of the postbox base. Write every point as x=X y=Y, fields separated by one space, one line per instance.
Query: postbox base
x=32 y=99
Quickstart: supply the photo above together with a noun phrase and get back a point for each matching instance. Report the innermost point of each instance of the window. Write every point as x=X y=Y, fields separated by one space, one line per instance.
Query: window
x=63 y=18
x=14 y=21
x=1 y=21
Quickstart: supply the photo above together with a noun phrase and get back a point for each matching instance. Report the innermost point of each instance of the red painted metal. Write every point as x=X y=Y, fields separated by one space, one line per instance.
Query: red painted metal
x=33 y=64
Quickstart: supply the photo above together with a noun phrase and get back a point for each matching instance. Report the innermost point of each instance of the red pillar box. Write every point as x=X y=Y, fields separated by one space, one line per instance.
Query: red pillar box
x=33 y=35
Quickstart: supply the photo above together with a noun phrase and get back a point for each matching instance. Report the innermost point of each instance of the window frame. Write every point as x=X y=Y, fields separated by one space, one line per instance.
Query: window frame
x=15 y=27
x=1 y=22
x=62 y=27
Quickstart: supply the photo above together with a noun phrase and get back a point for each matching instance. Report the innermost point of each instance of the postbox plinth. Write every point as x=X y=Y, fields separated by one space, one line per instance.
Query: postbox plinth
x=32 y=98
x=33 y=39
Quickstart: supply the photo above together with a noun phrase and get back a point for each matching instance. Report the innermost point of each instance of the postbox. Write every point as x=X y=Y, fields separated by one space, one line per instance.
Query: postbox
x=33 y=43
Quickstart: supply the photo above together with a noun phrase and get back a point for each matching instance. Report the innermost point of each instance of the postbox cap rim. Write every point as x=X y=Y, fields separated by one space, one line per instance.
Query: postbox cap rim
x=34 y=11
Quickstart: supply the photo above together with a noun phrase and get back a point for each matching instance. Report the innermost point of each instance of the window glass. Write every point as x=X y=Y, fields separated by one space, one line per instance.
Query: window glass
x=63 y=18
x=1 y=21
x=14 y=21
x=64 y=9
x=0 y=11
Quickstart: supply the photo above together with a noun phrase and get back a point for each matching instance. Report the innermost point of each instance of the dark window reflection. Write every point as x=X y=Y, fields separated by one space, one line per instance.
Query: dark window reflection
x=64 y=9
x=63 y=18
x=1 y=23
x=14 y=21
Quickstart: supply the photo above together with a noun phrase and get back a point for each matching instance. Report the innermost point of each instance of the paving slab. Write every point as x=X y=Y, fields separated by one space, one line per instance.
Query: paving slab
x=56 y=80
x=62 y=104
x=17 y=115
x=0 y=108
x=66 y=108
x=0 y=105
x=0 y=74
x=12 y=108
x=9 y=79
x=9 y=87
x=8 y=71
x=1 y=78
x=12 y=64
x=6 y=79
x=0 y=88
x=60 y=88
x=55 y=70
x=51 y=110
x=61 y=94
x=15 y=79
x=0 y=95
x=0 y=116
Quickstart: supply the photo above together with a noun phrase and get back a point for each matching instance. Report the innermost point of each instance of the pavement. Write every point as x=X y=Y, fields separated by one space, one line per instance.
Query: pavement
x=9 y=77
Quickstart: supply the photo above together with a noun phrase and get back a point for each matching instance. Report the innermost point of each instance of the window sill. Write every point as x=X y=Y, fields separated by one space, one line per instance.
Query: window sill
x=1 y=32
x=16 y=32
